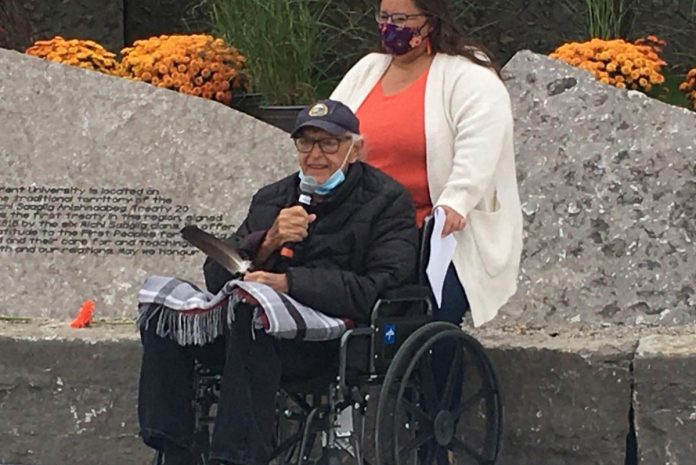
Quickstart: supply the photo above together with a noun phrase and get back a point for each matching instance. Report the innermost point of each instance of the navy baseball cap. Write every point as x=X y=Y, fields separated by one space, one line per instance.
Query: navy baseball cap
x=330 y=115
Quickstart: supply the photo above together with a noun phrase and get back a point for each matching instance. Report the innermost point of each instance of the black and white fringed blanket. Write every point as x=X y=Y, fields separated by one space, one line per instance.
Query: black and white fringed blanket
x=190 y=315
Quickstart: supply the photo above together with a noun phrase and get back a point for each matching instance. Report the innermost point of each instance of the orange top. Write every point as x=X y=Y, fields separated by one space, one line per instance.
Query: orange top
x=393 y=127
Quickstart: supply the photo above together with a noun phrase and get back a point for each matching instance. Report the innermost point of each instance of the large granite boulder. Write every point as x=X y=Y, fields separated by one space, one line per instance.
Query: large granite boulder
x=608 y=182
x=100 y=173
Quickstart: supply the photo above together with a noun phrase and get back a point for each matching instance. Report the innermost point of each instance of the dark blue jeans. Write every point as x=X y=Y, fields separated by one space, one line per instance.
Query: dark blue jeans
x=454 y=306
x=454 y=301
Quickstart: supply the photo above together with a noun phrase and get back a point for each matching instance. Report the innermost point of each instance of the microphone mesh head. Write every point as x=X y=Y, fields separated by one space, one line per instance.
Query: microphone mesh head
x=308 y=185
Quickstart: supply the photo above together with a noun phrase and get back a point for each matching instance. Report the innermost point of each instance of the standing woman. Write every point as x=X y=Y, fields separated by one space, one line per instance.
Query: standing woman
x=436 y=116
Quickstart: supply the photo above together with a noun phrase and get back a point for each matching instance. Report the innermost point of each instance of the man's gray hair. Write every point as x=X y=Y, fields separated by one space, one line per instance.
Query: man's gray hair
x=355 y=137
x=358 y=138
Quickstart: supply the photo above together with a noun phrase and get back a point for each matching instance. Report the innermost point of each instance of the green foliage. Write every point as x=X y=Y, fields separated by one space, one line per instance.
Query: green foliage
x=607 y=19
x=282 y=40
x=351 y=26
x=321 y=40
x=669 y=91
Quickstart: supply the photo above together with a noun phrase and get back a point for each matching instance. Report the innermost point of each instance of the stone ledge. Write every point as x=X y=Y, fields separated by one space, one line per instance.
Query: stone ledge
x=69 y=396
x=665 y=399
x=68 y=400
x=566 y=395
x=45 y=330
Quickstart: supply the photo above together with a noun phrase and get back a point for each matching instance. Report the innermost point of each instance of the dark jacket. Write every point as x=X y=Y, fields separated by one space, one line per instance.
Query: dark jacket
x=363 y=242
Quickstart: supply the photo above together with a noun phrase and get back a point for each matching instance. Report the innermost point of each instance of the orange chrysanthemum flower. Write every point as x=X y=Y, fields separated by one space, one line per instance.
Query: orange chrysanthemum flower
x=688 y=86
x=188 y=64
x=617 y=62
x=84 y=54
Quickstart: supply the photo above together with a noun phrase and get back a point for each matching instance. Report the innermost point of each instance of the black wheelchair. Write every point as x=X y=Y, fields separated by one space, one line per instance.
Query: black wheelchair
x=419 y=419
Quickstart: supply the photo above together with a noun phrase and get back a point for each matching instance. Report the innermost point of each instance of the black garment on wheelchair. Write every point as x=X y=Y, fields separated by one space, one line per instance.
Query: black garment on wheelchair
x=363 y=243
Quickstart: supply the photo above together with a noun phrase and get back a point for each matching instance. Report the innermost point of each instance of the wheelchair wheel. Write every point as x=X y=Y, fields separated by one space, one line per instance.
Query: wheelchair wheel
x=384 y=440
x=426 y=415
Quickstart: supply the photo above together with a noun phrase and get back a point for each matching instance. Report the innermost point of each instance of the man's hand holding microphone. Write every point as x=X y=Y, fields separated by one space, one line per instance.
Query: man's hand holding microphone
x=290 y=226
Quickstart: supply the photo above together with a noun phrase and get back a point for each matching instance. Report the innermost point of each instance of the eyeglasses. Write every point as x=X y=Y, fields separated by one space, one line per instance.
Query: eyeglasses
x=328 y=145
x=397 y=19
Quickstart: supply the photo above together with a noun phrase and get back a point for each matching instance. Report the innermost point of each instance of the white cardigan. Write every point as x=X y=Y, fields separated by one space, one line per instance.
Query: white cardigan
x=471 y=168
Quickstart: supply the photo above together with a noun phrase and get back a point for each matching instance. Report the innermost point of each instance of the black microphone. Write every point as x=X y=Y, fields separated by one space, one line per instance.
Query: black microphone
x=287 y=251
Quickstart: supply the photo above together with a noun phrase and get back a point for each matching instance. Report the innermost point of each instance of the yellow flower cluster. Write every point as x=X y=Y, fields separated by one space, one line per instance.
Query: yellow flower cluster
x=193 y=64
x=689 y=86
x=82 y=53
x=623 y=64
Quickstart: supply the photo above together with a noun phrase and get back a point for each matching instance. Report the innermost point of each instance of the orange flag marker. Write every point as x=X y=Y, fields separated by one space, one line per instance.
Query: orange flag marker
x=84 y=318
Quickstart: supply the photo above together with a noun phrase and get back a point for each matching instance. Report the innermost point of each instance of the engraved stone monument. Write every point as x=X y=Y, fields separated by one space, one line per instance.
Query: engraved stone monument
x=98 y=176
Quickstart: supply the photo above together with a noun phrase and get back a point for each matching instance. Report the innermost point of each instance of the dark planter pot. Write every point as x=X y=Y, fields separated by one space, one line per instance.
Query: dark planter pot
x=282 y=117
x=247 y=103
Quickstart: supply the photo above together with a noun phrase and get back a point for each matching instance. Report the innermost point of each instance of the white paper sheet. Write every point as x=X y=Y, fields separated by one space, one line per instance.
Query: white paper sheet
x=441 y=252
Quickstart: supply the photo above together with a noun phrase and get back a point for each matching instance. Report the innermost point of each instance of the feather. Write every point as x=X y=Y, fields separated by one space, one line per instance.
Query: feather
x=220 y=251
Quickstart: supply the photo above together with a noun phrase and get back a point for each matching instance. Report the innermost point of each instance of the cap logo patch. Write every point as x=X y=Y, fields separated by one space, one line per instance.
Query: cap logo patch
x=318 y=110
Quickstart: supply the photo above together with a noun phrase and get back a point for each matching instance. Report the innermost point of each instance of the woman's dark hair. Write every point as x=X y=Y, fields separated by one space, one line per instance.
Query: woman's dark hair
x=447 y=37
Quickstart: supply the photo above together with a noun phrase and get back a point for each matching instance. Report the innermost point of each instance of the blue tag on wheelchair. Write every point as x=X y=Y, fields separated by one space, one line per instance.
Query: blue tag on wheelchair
x=389 y=333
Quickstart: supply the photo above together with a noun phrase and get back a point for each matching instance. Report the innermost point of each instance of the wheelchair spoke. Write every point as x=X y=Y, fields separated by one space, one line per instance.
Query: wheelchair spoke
x=460 y=445
x=422 y=438
x=452 y=375
x=430 y=455
x=471 y=401
x=289 y=443
x=415 y=411
x=437 y=413
x=427 y=378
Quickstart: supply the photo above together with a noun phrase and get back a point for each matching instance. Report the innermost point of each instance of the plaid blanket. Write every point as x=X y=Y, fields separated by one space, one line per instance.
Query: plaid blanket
x=190 y=315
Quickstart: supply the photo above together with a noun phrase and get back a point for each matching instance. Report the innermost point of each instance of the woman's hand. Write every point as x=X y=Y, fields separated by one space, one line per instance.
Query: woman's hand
x=453 y=221
x=277 y=281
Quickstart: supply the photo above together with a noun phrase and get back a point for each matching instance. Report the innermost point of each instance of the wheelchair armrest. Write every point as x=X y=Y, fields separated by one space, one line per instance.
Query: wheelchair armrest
x=403 y=295
x=343 y=351
x=410 y=293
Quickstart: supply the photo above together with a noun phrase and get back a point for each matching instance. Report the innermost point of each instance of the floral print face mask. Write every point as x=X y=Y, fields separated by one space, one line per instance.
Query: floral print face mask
x=399 y=40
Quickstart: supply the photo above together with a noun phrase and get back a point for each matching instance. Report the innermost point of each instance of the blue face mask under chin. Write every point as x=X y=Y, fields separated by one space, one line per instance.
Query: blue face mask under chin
x=310 y=185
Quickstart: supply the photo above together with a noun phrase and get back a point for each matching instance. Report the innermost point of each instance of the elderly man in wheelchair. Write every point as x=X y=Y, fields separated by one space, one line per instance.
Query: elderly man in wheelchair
x=350 y=253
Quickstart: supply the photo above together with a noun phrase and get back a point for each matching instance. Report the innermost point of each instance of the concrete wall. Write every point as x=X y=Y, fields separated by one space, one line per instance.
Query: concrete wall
x=69 y=402
x=68 y=397
x=665 y=400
